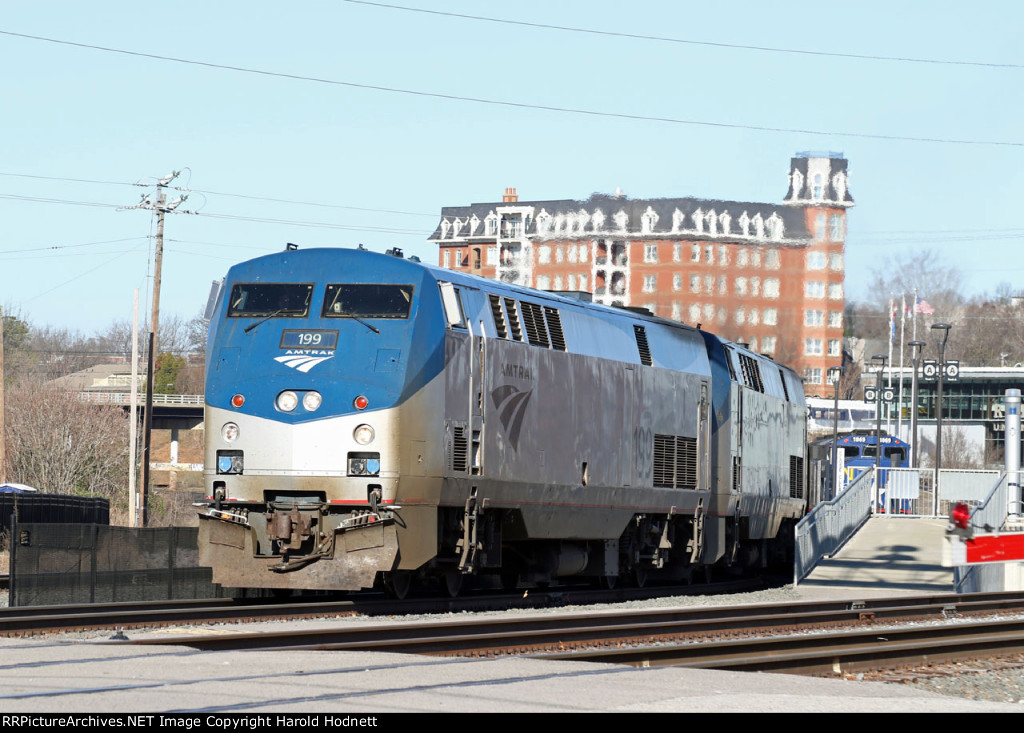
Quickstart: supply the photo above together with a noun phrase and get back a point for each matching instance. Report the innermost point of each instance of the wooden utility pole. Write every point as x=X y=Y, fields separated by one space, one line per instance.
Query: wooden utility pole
x=161 y=207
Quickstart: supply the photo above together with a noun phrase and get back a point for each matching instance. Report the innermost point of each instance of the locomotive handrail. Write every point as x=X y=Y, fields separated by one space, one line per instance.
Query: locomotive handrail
x=831 y=523
x=124 y=398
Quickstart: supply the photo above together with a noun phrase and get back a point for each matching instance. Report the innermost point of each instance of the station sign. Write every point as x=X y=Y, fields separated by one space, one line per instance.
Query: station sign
x=888 y=395
x=930 y=370
x=983 y=548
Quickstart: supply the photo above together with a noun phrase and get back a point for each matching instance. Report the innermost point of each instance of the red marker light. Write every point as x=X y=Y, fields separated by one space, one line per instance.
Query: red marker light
x=960 y=516
x=360 y=402
x=238 y=400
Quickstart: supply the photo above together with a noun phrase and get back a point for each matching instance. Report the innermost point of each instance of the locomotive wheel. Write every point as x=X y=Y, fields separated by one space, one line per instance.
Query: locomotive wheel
x=398 y=583
x=607 y=582
x=452 y=583
x=640 y=576
x=509 y=578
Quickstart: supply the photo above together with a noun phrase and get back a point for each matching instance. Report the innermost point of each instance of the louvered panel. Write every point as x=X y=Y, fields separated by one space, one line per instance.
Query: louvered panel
x=686 y=463
x=664 y=461
x=533 y=321
x=641 y=345
x=513 y=319
x=796 y=477
x=500 y=327
x=554 y=321
x=460 y=450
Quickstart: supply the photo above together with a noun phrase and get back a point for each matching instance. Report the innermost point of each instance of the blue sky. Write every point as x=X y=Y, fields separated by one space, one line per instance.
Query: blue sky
x=271 y=159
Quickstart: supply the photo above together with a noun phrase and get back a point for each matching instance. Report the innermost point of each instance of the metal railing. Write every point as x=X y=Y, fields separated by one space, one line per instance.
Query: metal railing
x=124 y=398
x=831 y=523
x=989 y=512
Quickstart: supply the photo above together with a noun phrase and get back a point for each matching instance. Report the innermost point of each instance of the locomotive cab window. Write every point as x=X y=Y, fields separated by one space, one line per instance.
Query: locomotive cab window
x=350 y=300
x=266 y=300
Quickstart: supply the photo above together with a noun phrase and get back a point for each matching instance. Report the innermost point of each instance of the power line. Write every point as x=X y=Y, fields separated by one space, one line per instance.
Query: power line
x=522 y=105
x=687 y=41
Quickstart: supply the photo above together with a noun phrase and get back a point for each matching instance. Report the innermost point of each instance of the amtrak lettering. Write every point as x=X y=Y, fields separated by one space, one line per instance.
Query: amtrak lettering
x=304 y=359
x=511 y=406
x=517 y=371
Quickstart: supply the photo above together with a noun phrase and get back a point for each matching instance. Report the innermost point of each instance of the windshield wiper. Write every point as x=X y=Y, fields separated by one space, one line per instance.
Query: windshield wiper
x=251 y=326
x=334 y=308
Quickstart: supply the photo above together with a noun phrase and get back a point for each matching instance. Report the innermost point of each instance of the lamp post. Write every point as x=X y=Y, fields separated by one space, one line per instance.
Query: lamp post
x=881 y=359
x=917 y=347
x=835 y=374
x=944 y=336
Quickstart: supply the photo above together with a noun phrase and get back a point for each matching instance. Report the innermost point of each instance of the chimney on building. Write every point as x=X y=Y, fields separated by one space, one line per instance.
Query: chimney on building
x=510 y=196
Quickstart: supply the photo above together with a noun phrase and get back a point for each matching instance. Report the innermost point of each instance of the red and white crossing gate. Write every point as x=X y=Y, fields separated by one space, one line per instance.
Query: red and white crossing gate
x=984 y=548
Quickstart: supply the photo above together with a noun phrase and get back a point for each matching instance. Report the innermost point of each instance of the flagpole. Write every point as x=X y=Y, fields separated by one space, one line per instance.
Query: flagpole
x=903 y=330
x=888 y=383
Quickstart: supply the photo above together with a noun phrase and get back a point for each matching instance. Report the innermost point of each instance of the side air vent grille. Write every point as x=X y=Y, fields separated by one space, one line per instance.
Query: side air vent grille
x=513 y=319
x=554 y=322
x=641 y=345
x=751 y=373
x=500 y=327
x=796 y=477
x=675 y=462
x=460 y=450
x=785 y=390
x=737 y=474
x=533 y=321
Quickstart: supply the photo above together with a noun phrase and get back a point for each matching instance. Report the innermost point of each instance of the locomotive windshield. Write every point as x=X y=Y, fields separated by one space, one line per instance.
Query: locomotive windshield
x=252 y=300
x=347 y=300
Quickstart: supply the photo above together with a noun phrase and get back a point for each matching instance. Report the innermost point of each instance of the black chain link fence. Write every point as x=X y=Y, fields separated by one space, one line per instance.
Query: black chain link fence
x=56 y=508
x=54 y=564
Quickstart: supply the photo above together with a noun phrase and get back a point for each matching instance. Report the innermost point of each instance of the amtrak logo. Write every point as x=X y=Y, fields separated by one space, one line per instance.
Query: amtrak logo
x=304 y=360
x=511 y=406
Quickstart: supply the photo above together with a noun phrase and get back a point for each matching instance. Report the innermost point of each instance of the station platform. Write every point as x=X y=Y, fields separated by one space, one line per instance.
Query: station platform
x=886 y=556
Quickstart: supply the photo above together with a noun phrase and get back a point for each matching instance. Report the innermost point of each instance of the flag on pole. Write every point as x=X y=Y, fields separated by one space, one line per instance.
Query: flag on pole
x=923 y=308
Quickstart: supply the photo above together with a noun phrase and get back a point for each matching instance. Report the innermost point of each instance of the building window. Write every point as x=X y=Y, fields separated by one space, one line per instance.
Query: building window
x=768 y=344
x=815 y=260
x=583 y=282
x=814 y=289
x=694 y=313
x=709 y=254
x=772 y=261
x=723 y=255
x=834 y=347
x=492 y=255
x=709 y=313
x=447 y=258
x=771 y=287
x=543 y=282
x=650 y=283
x=544 y=254
x=694 y=253
x=835 y=262
x=650 y=253
x=835 y=291
x=723 y=284
x=835 y=232
x=694 y=283
x=742 y=258
x=740 y=316
x=814 y=318
x=812 y=347
x=819 y=226
x=677 y=313
x=458 y=258
x=812 y=375
x=677 y=253
x=770 y=316
x=571 y=282
x=754 y=317
x=558 y=282
x=835 y=319
x=709 y=284
x=741 y=286
x=491 y=224
x=677 y=281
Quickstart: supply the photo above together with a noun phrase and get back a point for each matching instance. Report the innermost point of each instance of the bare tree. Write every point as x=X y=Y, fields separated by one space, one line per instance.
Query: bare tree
x=60 y=444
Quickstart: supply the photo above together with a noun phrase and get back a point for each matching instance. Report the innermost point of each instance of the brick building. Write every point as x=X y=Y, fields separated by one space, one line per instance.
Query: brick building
x=768 y=275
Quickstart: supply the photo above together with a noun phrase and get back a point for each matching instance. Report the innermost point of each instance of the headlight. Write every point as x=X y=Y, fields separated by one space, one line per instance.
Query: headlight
x=363 y=434
x=287 y=401
x=311 y=400
x=229 y=432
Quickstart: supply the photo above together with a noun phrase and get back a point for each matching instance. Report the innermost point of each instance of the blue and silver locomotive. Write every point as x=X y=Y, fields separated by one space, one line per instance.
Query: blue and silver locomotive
x=371 y=419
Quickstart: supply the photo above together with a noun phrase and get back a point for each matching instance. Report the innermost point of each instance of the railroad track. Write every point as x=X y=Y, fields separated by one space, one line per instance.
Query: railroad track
x=796 y=638
x=28 y=620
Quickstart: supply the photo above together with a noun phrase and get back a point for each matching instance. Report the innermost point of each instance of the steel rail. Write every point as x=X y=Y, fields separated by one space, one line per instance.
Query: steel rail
x=536 y=633
x=830 y=653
